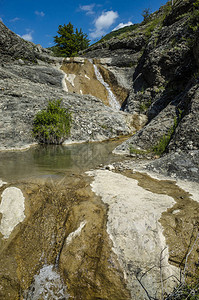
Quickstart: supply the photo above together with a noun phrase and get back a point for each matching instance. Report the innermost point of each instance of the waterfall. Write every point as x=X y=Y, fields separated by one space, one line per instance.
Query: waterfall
x=111 y=97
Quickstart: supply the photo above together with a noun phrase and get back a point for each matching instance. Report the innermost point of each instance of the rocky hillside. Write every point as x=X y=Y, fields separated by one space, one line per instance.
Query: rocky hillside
x=152 y=68
x=119 y=231
x=160 y=59
x=29 y=78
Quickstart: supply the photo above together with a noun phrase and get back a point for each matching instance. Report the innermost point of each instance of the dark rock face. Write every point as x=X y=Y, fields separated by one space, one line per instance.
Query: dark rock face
x=165 y=82
x=184 y=165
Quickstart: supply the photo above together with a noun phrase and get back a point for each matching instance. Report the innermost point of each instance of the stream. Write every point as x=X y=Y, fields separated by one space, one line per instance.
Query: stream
x=82 y=233
x=53 y=160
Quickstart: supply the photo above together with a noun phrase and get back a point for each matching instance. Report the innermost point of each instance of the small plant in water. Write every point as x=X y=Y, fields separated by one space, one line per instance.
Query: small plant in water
x=52 y=125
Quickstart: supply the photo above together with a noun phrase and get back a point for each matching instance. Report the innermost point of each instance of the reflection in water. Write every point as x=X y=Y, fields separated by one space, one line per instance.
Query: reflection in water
x=55 y=160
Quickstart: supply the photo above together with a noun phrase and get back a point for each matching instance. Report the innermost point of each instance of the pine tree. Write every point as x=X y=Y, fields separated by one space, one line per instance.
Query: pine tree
x=69 y=43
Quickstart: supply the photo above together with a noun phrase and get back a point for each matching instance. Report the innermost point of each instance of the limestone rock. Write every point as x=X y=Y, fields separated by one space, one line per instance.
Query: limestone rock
x=27 y=89
x=135 y=231
x=163 y=61
x=12 y=209
x=61 y=248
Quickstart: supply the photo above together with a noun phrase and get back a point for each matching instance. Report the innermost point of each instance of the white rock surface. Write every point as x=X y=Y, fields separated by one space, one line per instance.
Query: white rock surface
x=77 y=232
x=133 y=226
x=2 y=183
x=47 y=285
x=12 y=208
x=70 y=78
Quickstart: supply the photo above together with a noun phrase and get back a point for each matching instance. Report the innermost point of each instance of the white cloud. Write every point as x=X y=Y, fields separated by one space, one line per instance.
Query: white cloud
x=103 y=22
x=28 y=36
x=106 y=19
x=39 y=13
x=87 y=8
x=15 y=19
x=121 y=25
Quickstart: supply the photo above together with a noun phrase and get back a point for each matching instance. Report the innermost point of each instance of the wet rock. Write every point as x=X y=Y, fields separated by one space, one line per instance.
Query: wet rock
x=47 y=285
x=72 y=253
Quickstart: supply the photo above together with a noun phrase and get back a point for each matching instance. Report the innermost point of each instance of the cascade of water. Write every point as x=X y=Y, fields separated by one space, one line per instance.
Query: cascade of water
x=111 y=97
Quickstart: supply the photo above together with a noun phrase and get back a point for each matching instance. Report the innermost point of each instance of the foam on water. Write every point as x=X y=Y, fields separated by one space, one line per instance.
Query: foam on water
x=47 y=285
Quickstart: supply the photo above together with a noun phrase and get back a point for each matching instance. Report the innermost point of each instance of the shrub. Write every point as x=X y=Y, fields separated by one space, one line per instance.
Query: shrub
x=145 y=105
x=194 y=17
x=164 y=141
x=52 y=125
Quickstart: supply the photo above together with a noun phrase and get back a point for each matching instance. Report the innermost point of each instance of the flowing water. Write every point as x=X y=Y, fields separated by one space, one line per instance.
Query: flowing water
x=55 y=160
x=59 y=212
x=47 y=285
x=111 y=97
x=51 y=162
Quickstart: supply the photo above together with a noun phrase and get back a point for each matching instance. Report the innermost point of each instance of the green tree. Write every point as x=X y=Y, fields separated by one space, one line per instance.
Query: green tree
x=146 y=13
x=69 y=43
x=52 y=125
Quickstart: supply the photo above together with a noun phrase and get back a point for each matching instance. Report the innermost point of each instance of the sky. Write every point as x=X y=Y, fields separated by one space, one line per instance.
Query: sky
x=38 y=20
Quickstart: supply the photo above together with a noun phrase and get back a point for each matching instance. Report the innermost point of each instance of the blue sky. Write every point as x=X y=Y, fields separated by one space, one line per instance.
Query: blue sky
x=38 y=20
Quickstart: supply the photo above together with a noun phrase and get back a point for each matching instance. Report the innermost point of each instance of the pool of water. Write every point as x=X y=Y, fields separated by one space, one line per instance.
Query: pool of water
x=53 y=160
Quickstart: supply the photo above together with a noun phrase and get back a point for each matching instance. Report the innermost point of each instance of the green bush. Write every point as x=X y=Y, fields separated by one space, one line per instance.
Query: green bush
x=145 y=105
x=164 y=141
x=52 y=125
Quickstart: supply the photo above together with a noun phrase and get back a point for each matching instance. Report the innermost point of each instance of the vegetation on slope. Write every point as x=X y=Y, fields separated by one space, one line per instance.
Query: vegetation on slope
x=69 y=42
x=154 y=22
x=52 y=125
x=148 y=25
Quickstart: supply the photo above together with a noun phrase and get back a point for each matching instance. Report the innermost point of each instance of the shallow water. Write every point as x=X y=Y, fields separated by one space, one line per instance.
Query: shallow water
x=55 y=160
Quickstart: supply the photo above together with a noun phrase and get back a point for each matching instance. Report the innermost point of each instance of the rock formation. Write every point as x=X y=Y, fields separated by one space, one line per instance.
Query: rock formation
x=161 y=57
x=113 y=233
x=30 y=77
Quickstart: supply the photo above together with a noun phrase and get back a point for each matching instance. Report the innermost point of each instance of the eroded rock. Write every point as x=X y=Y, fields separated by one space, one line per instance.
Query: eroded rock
x=12 y=209
x=65 y=227
x=133 y=225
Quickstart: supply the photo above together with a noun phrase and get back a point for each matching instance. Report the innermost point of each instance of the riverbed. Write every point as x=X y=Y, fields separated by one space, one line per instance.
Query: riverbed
x=99 y=234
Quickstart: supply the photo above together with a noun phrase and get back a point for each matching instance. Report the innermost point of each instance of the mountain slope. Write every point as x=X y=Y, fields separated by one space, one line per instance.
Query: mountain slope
x=162 y=54
x=29 y=78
